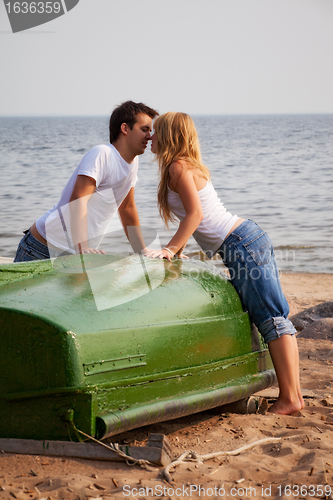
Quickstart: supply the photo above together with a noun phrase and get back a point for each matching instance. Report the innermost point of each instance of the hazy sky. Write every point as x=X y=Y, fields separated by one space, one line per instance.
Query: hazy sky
x=197 y=56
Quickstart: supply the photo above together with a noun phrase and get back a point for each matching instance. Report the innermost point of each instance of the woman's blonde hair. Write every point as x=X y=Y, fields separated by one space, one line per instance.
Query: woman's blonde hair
x=176 y=139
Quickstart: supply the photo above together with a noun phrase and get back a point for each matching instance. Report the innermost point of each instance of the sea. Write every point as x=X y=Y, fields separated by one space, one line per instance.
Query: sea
x=273 y=169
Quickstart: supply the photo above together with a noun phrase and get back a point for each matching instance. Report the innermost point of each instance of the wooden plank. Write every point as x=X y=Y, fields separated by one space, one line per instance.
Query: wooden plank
x=90 y=451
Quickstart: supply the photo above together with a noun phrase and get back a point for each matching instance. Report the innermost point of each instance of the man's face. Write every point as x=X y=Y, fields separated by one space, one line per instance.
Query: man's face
x=139 y=135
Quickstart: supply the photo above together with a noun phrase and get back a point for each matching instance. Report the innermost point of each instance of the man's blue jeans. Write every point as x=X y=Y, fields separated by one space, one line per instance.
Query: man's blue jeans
x=31 y=249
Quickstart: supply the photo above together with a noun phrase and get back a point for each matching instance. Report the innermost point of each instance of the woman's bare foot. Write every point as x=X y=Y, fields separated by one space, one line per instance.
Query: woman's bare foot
x=285 y=357
x=281 y=407
x=301 y=401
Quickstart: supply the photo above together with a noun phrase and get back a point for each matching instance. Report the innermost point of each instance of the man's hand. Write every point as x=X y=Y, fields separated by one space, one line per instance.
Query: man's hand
x=90 y=250
x=181 y=255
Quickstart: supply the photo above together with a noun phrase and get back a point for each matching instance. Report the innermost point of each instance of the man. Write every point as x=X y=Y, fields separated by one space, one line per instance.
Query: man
x=102 y=183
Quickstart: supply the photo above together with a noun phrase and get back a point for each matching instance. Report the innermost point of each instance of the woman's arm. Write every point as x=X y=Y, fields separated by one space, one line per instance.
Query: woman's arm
x=179 y=252
x=184 y=182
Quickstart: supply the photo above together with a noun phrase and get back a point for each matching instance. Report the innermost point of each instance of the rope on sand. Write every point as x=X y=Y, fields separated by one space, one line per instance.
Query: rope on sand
x=192 y=456
x=115 y=448
x=187 y=456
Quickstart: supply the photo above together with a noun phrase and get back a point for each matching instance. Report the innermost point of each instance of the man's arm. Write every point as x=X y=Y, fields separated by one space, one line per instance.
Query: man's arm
x=129 y=217
x=83 y=190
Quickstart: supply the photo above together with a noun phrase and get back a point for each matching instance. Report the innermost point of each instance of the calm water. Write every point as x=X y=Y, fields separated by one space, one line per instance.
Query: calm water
x=274 y=169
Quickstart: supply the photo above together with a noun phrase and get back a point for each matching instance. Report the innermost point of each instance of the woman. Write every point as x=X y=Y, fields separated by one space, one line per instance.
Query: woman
x=185 y=192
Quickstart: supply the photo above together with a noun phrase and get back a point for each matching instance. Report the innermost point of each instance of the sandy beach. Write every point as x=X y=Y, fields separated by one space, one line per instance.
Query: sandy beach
x=295 y=462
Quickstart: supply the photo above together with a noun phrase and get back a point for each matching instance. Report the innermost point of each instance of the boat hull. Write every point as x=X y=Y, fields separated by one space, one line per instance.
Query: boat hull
x=109 y=343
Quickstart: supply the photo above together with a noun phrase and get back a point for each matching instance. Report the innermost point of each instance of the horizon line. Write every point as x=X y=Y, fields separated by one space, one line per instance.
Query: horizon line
x=302 y=113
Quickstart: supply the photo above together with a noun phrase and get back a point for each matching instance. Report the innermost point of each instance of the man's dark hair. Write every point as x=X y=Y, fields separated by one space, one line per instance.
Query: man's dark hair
x=127 y=113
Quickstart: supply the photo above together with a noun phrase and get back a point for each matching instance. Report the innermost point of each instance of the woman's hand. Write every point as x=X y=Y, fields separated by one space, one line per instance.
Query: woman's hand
x=164 y=253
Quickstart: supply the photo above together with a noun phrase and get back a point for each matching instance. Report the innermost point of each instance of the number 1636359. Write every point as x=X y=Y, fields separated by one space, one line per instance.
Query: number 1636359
x=47 y=7
x=311 y=490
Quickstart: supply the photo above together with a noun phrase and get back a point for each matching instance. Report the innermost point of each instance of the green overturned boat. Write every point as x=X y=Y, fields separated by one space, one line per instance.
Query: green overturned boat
x=112 y=343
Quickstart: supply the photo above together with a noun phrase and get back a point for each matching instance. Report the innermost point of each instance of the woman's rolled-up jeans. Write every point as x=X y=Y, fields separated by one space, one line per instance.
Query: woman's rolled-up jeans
x=248 y=254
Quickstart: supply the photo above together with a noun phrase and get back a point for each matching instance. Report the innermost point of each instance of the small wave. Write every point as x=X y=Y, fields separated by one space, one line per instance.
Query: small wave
x=8 y=235
x=296 y=247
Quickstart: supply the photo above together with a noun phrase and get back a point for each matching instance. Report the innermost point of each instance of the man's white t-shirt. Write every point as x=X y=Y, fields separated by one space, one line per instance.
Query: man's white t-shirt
x=114 y=178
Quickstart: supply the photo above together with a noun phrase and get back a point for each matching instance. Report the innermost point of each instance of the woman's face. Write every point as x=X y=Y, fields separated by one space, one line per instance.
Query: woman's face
x=153 y=143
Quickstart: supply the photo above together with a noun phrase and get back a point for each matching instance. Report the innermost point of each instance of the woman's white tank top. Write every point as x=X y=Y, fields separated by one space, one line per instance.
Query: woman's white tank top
x=216 y=222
